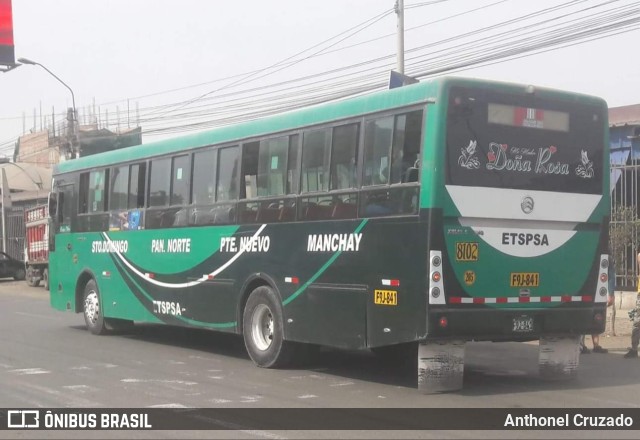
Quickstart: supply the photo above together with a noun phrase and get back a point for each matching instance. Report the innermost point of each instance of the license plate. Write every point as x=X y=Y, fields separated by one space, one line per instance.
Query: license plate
x=386 y=297
x=523 y=324
x=525 y=279
x=466 y=251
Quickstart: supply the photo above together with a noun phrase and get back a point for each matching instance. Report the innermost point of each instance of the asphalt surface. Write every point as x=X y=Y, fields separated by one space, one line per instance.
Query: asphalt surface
x=48 y=359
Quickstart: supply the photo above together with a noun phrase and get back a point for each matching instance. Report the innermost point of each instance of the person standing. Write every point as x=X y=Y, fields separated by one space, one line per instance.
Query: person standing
x=634 y=315
x=635 y=332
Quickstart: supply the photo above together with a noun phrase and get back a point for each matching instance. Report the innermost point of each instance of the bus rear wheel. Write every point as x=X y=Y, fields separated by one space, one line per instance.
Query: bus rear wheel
x=263 y=329
x=91 y=306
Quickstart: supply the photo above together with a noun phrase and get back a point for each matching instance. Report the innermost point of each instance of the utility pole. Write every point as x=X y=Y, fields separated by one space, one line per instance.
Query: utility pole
x=399 y=8
x=6 y=204
x=72 y=114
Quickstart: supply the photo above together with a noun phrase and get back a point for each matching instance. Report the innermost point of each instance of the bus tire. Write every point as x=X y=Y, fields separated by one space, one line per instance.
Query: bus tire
x=45 y=279
x=91 y=306
x=263 y=329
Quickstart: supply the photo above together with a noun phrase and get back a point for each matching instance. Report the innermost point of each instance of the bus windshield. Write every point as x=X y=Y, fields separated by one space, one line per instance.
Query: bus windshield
x=523 y=142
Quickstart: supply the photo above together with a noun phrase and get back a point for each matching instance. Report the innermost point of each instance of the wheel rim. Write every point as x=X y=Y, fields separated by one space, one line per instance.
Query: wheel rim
x=262 y=327
x=92 y=307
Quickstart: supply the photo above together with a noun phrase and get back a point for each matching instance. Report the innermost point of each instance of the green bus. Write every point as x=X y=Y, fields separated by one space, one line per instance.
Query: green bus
x=424 y=217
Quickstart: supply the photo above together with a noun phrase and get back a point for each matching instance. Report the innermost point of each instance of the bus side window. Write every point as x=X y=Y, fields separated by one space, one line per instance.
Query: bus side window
x=407 y=135
x=93 y=201
x=377 y=145
x=344 y=156
x=249 y=184
x=391 y=157
x=180 y=180
x=228 y=170
x=118 y=184
x=156 y=215
x=268 y=168
x=205 y=164
x=137 y=186
x=158 y=183
x=57 y=211
x=83 y=206
x=315 y=157
x=293 y=176
x=272 y=162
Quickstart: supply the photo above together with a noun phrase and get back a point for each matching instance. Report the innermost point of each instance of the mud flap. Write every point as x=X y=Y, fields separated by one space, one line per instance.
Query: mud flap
x=440 y=366
x=559 y=356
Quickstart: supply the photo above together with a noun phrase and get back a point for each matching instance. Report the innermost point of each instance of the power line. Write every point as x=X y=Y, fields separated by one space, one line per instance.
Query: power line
x=350 y=32
x=527 y=39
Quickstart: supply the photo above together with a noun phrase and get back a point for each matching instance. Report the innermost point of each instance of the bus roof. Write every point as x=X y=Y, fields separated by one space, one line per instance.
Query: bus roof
x=318 y=114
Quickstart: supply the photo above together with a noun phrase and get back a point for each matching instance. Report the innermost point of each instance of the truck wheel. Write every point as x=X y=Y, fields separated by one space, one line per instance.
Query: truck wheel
x=91 y=305
x=263 y=329
x=30 y=277
x=45 y=279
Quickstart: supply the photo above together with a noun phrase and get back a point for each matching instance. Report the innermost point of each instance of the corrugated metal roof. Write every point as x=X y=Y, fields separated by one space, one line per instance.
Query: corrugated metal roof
x=625 y=115
x=27 y=177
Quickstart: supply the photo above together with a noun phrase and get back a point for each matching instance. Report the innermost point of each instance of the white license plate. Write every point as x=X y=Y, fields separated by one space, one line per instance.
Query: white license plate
x=523 y=324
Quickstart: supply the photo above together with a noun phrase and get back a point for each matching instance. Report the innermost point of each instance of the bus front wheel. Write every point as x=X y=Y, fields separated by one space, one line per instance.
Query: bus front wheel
x=263 y=329
x=91 y=306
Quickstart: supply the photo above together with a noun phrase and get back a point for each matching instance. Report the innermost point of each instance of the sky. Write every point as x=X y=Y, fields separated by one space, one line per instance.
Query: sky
x=169 y=63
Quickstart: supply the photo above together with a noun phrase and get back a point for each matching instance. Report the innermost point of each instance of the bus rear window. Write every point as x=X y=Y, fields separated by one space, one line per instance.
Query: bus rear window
x=521 y=141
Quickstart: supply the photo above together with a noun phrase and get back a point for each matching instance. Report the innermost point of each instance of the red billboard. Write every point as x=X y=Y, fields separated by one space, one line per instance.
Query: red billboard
x=7 y=55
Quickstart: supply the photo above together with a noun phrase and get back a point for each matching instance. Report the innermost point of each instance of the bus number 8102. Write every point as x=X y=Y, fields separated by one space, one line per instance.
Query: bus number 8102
x=466 y=251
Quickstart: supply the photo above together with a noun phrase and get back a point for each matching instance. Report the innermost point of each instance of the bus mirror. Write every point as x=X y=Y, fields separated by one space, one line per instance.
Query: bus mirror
x=52 y=204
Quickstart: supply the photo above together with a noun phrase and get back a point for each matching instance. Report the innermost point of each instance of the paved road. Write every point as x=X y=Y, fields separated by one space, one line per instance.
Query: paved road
x=48 y=359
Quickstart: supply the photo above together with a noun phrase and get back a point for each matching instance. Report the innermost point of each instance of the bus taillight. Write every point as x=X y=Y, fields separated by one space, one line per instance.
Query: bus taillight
x=443 y=322
x=598 y=318
x=436 y=284
x=602 y=288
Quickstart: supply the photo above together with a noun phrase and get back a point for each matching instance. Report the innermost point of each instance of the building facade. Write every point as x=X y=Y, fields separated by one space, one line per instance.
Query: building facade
x=624 y=138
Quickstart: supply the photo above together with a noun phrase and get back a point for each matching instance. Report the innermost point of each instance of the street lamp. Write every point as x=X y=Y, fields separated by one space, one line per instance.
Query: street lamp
x=73 y=100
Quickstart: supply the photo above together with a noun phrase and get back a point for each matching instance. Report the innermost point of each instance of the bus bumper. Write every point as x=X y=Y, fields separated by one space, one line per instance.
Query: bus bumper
x=513 y=325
